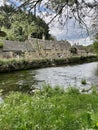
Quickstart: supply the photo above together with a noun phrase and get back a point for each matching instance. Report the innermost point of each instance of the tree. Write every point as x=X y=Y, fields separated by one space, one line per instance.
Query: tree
x=73 y=50
x=95 y=32
x=5 y=15
x=22 y=24
x=63 y=9
x=95 y=45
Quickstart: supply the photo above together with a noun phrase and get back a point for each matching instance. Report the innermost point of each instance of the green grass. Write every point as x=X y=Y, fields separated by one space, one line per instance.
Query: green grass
x=49 y=109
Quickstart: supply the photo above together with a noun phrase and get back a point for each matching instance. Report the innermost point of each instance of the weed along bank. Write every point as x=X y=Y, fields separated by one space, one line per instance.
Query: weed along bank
x=9 y=65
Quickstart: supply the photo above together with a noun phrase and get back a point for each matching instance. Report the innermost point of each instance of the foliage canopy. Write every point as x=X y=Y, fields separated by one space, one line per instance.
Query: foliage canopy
x=62 y=9
x=20 y=24
x=95 y=45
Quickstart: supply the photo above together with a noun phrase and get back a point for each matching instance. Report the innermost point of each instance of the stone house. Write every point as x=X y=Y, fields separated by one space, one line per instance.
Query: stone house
x=49 y=48
x=80 y=50
x=35 y=48
x=15 y=49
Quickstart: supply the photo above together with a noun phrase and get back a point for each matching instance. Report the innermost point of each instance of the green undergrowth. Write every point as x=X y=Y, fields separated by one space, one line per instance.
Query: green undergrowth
x=1 y=44
x=14 y=64
x=48 y=61
x=49 y=109
x=83 y=81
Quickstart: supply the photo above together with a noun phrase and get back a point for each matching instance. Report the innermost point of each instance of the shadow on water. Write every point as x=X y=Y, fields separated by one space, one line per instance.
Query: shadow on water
x=17 y=81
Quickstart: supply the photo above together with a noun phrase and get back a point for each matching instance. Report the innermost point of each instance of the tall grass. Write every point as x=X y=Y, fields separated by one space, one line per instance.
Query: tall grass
x=49 y=109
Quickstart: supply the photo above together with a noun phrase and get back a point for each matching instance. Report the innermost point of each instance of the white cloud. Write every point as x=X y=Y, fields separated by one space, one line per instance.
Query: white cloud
x=73 y=35
x=1 y=2
x=71 y=31
x=82 y=41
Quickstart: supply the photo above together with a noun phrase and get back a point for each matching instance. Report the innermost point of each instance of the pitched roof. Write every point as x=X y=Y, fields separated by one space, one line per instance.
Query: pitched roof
x=80 y=47
x=17 y=46
x=32 y=44
x=49 y=44
x=46 y=44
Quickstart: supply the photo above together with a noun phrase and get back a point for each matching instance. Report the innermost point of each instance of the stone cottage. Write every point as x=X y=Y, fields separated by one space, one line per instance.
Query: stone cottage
x=35 y=48
x=80 y=50
x=49 y=48
x=15 y=49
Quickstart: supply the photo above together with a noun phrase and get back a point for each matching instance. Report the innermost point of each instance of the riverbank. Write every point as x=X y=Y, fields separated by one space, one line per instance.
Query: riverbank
x=10 y=65
x=50 y=109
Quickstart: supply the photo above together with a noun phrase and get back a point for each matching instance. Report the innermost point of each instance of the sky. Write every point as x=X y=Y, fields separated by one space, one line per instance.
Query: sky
x=1 y=1
x=72 y=33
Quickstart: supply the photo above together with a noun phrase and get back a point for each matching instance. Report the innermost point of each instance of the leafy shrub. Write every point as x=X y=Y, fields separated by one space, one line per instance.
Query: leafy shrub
x=83 y=81
x=72 y=90
x=73 y=50
x=1 y=44
x=94 y=90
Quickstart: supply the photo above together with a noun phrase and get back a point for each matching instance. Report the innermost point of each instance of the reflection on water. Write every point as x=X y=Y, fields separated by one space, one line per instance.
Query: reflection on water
x=63 y=76
x=17 y=81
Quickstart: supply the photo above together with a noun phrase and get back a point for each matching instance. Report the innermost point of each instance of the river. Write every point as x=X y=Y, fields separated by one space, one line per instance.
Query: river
x=63 y=76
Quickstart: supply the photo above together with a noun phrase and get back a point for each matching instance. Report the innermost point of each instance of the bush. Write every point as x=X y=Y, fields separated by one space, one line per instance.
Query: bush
x=1 y=44
x=72 y=90
x=73 y=50
x=83 y=81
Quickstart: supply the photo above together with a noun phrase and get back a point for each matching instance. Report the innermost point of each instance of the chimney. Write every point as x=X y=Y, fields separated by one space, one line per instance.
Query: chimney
x=43 y=37
x=4 y=2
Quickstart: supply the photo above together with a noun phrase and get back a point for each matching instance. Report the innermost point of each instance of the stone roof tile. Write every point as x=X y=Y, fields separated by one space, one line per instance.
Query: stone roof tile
x=17 y=46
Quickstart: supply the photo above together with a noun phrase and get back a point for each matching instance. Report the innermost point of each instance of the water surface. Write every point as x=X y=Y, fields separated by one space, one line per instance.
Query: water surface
x=63 y=76
x=70 y=75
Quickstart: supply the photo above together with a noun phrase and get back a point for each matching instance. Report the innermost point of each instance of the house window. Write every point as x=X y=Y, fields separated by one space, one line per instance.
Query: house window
x=40 y=54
